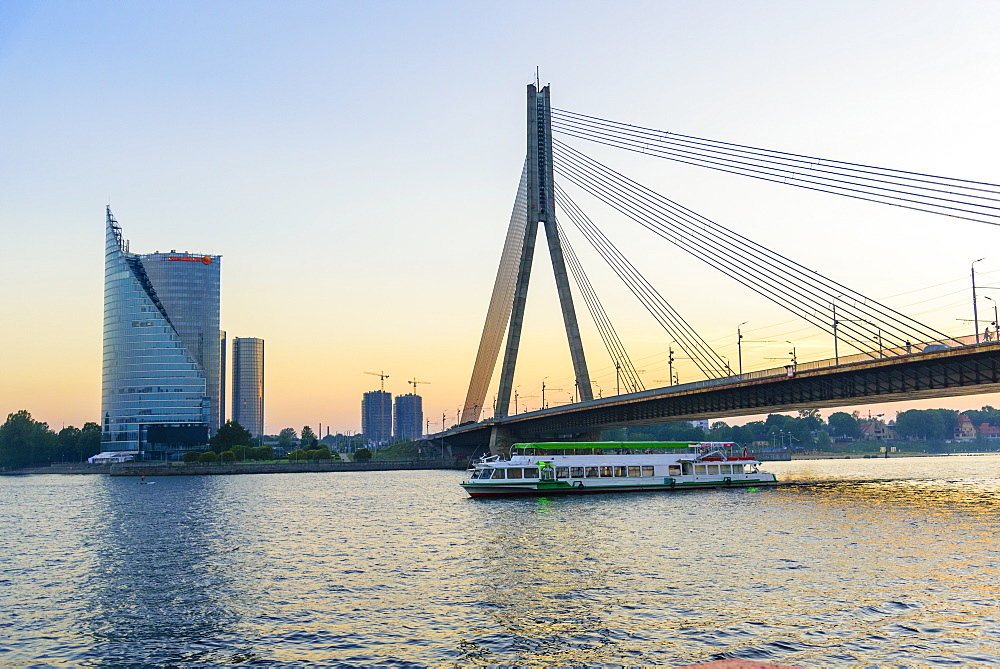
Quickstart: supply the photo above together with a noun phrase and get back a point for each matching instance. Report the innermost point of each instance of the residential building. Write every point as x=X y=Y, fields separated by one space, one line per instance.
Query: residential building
x=161 y=375
x=988 y=431
x=408 y=417
x=964 y=429
x=376 y=417
x=877 y=430
x=248 y=384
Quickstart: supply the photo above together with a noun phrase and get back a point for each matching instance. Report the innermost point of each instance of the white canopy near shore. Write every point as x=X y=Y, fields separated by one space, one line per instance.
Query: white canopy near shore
x=110 y=457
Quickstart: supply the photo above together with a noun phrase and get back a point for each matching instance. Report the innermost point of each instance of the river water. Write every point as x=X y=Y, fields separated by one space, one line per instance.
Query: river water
x=867 y=562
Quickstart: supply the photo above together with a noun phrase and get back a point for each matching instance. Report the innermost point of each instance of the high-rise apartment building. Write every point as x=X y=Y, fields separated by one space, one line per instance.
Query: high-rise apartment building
x=162 y=377
x=248 y=384
x=408 y=417
x=376 y=417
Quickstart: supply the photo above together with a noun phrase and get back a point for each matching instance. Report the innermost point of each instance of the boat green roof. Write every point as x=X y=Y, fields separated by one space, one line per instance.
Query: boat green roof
x=568 y=445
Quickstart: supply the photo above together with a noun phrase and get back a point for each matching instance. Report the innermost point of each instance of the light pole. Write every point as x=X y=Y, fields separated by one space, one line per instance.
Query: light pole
x=670 y=361
x=975 y=310
x=739 y=344
x=543 y=392
x=792 y=353
x=996 y=321
x=836 y=353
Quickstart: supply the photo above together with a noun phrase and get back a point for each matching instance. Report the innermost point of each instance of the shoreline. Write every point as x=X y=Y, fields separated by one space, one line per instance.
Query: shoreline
x=235 y=468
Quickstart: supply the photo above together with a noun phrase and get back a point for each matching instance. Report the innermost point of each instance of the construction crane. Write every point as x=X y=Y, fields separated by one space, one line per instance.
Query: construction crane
x=414 y=383
x=382 y=376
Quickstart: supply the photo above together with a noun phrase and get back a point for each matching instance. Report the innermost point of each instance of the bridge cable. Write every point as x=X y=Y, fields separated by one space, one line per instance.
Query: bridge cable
x=883 y=171
x=787 y=286
x=805 y=292
x=783 y=287
x=710 y=363
x=885 y=186
x=609 y=336
x=501 y=304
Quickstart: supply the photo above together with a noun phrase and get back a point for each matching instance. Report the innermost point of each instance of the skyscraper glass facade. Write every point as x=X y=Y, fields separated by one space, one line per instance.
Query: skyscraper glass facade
x=408 y=417
x=248 y=383
x=157 y=381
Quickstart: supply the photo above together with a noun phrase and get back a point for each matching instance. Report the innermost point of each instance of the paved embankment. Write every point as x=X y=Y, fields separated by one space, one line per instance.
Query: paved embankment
x=60 y=468
x=199 y=469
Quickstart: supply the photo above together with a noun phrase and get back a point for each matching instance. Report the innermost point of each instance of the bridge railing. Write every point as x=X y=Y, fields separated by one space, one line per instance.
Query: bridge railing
x=787 y=370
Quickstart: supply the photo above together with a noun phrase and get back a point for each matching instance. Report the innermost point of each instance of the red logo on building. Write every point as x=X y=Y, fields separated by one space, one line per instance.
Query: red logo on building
x=202 y=259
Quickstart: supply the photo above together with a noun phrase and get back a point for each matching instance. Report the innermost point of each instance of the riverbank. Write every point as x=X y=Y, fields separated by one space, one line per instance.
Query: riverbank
x=202 y=469
x=229 y=468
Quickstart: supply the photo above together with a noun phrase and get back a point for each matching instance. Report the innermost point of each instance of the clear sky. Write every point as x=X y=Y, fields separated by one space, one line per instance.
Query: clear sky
x=355 y=164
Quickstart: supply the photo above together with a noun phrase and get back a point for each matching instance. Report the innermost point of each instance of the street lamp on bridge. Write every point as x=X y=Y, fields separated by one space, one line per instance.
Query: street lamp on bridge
x=996 y=321
x=739 y=345
x=975 y=310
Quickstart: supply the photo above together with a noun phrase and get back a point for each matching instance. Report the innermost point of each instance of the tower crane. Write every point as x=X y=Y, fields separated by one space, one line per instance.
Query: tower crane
x=414 y=383
x=382 y=377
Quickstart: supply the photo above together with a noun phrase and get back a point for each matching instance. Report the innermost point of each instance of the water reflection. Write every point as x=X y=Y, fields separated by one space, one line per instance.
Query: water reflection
x=161 y=590
x=881 y=566
x=546 y=573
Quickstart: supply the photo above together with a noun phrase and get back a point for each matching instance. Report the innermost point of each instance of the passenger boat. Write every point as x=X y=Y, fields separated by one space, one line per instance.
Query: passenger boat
x=568 y=468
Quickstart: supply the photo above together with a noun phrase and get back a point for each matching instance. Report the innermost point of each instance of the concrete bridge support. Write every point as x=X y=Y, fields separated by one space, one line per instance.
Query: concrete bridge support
x=501 y=439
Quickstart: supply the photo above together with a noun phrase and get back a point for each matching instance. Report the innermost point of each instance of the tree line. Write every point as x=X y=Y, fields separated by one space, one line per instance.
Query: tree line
x=26 y=442
x=809 y=431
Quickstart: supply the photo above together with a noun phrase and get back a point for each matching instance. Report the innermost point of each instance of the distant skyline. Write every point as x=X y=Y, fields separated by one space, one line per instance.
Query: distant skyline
x=356 y=164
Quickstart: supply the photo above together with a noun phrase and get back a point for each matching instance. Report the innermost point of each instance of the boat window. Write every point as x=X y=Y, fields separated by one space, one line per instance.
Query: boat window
x=515 y=473
x=591 y=472
x=674 y=470
x=499 y=473
x=619 y=471
x=531 y=472
x=475 y=474
x=562 y=472
x=634 y=471
x=713 y=470
x=606 y=471
x=576 y=472
x=700 y=469
x=647 y=470
x=486 y=473
x=725 y=469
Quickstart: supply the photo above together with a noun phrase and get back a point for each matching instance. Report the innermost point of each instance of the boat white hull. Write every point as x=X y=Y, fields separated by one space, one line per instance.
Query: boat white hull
x=549 y=488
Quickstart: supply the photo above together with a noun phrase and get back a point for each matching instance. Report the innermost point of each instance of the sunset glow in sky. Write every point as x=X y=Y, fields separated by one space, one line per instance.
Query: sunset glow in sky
x=355 y=165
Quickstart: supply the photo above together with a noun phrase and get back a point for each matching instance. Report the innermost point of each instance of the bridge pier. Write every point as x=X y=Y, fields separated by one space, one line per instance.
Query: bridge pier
x=501 y=439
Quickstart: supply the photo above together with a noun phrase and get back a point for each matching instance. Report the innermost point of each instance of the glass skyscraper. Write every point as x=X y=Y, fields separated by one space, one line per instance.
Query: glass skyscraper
x=162 y=372
x=248 y=384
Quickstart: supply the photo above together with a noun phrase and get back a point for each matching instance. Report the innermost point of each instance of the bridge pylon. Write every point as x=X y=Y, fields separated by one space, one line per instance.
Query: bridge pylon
x=535 y=205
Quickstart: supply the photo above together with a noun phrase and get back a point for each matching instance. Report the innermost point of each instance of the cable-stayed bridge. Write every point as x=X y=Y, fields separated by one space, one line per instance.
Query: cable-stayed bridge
x=888 y=355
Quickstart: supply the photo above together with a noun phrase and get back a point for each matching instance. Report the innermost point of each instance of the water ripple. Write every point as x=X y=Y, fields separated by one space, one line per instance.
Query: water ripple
x=867 y=562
